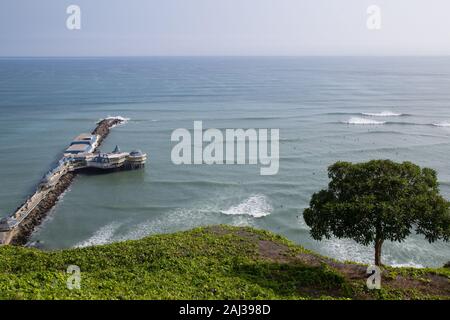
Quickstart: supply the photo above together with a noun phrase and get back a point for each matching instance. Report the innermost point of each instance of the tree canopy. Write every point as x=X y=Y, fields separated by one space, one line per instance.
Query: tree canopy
x=379 y=200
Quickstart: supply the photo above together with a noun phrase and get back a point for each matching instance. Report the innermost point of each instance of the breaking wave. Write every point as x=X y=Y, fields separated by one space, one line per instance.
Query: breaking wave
x=363 y=121
x=256 y=206
x=382 y=114
x=442 y=124
x=118 y=118
x=103 y=235
x=410 y=264
x=177 y=219
x=123 y=120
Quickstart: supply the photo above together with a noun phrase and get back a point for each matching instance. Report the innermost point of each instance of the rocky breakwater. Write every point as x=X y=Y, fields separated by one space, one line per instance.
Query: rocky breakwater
x=104 y=127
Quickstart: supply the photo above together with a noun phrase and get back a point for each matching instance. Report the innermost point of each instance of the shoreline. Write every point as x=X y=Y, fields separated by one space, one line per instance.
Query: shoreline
x=20 y=235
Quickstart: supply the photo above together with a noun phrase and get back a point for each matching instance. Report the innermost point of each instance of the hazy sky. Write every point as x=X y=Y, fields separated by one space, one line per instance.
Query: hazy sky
x=224 y=27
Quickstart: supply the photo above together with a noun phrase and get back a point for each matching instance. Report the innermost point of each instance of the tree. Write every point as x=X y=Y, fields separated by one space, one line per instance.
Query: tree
x=379 y=200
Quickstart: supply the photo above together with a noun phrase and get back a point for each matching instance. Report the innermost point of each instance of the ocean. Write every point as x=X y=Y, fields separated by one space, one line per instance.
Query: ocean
x=326 y=108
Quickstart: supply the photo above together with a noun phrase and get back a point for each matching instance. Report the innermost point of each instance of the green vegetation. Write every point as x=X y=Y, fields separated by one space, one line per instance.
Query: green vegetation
x=379 y=200
x=217 y=262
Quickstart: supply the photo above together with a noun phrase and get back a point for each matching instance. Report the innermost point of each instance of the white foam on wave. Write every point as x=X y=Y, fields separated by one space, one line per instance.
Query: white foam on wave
x=346 y=250
x=103 y=235
x=177 y=220
x=363 y=121
x=410 y=264
x=382 y=114
x=123 y=120
x=201 y=214
x=172 y=221
x=349 y=250
x=442 y=124
x=117 y=118
x=256 y=206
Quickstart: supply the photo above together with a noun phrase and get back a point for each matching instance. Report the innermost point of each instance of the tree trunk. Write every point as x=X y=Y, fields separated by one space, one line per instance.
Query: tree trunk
x=378 y=244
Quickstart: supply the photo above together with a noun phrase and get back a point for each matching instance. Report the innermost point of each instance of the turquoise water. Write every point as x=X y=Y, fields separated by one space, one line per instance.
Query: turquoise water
x=327 y=109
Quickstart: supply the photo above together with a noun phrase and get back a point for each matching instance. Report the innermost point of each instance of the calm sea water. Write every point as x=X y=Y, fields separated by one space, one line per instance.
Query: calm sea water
x=327 y=109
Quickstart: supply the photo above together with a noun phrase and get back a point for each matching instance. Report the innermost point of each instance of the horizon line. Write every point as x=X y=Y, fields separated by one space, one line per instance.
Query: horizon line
x=226 y=56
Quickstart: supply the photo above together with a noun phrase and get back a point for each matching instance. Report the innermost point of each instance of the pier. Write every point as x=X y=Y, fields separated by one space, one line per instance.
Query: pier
x=81 y=155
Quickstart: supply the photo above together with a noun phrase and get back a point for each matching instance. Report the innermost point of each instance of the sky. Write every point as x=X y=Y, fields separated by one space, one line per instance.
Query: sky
x=224 y=28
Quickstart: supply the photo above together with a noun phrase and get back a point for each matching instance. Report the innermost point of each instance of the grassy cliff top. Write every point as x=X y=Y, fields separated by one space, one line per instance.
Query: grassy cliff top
x=219 y=262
